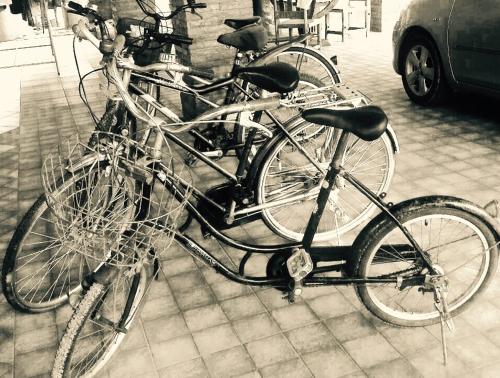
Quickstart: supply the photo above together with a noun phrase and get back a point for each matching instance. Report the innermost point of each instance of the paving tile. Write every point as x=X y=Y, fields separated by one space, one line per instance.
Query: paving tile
x=160 y=306
x=229 y=289
x=409 y=340
x=199 y=296
x=310 y=338
x=130 y=363
x=255 y=327
x=165 y=328
x=475 y=351
x=205 y=317
x=393 y=369
x=174 y=351
x=294 y=316
x=329 y=306
x=215 y=339
x=429 y=362
x=330 y=363
x=370 y=350
x=350 y=326
x=189 y=369
x=35 y=363
x=270 y=350
x=36 y=339
x=241 y=307
x=292 y=368
x=229 y=363
x=273 y=299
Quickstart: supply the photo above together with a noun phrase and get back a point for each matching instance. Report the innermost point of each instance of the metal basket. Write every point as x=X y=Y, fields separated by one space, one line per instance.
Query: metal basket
x=111 y=199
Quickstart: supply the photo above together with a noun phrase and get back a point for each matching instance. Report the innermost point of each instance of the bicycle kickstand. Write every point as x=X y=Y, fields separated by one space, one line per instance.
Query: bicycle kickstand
x=446 y=319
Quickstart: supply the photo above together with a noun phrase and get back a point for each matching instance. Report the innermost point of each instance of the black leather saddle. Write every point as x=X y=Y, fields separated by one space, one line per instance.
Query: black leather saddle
x=274 y=77
x=368 y=122
x=238 y=23
x=251 y=37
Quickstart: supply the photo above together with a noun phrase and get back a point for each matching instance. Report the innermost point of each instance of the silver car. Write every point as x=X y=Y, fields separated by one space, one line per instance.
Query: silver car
x=448 y=44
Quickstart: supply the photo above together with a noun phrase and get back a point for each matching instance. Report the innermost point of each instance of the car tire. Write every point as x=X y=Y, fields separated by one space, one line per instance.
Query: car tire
x=422 y=71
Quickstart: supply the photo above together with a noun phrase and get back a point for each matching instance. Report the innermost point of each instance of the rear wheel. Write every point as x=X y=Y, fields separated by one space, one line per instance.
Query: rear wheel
x=310 y=62
x=287 y=173
x=461 y=246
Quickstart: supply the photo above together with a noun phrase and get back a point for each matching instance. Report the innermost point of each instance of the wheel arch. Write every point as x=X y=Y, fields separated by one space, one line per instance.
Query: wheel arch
x=413 y=31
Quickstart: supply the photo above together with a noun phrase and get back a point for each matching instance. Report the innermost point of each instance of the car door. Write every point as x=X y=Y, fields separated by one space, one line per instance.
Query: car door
x=474 y=42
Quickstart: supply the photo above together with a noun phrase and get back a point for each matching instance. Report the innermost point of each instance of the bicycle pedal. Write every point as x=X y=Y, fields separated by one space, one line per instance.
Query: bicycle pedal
x=299 y=264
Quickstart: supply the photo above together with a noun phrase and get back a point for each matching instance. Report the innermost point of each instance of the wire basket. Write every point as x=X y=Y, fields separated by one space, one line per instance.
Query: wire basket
x=114 y=203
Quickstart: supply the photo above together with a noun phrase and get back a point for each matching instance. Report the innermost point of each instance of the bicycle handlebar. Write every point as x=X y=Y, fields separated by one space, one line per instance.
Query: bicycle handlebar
x=82 y=31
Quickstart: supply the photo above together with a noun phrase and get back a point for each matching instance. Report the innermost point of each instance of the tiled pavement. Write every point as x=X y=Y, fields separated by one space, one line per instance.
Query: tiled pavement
x=195 y=323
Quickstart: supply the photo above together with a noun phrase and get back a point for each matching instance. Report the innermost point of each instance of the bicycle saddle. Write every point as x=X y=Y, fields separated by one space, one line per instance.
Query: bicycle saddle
x=274 y=77
x=368 y=122
x=251 y=37
x=238 y=23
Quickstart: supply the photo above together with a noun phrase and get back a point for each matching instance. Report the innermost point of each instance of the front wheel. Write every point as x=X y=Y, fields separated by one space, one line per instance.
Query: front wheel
x=423 y=76
x=460 y=246
x=98 y=326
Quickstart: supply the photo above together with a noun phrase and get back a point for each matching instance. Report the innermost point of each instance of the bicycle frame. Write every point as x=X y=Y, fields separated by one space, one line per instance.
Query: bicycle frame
x=337 y=254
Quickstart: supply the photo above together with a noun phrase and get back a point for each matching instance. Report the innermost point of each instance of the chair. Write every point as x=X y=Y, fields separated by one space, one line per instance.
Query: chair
x=348 y=11
x=304 y=15
x=289 y=15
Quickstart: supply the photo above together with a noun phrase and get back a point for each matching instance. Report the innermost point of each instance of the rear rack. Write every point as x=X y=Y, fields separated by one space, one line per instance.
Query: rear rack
x=337 y=95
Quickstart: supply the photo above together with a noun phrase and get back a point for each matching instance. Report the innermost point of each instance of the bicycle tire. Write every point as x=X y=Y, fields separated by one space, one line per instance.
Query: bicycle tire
x=348 y=210
x=414 y=307
x=26 y=242
x=321 y=67
x=86 y=316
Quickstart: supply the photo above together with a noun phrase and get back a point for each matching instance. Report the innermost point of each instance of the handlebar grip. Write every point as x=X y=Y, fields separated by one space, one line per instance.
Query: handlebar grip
x=199 y=5
x=119 y=43
x=75 y=6
x=200 y=72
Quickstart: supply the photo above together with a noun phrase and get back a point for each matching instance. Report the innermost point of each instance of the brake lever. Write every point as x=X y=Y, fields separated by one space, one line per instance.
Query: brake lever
x=193 y=11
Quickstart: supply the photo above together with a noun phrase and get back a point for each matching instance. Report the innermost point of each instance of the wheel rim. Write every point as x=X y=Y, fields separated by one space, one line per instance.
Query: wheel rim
x=452 y=240
x=420 y=70
x=371 y=162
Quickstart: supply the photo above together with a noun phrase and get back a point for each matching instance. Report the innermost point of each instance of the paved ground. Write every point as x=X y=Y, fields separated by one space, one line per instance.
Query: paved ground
x=196 y=323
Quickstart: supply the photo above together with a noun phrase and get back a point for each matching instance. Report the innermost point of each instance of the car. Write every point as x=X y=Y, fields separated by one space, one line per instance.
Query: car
x=442 y=45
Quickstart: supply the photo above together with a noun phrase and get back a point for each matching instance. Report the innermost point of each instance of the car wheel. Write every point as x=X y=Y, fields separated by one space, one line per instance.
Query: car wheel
x=422 y=72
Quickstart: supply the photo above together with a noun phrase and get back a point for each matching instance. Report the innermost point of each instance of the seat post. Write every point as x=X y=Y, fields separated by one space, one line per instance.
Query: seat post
x=324 y=193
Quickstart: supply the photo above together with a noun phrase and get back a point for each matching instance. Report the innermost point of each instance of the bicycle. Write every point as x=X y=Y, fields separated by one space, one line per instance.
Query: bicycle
x=38 y=291
x=416 y=263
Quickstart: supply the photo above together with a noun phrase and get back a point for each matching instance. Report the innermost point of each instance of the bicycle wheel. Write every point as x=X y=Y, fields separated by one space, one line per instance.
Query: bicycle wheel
x=98 y=326
x=285 y=173
x=42 y=267
x=310 y=62
x=461 y=246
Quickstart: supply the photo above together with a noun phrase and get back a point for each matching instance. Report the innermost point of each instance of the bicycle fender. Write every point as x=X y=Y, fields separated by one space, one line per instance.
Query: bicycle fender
x=430 y=201
x=393 y=138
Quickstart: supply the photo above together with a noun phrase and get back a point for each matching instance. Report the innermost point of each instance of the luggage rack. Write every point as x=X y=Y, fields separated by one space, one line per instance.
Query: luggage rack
x=337 y=95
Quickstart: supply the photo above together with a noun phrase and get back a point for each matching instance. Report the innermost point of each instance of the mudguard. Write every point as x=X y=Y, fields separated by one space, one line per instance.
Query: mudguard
x=393 y=138
x=430 y=201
